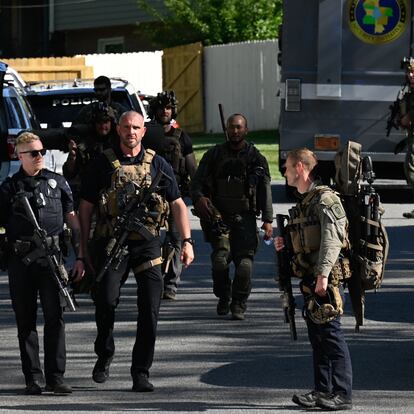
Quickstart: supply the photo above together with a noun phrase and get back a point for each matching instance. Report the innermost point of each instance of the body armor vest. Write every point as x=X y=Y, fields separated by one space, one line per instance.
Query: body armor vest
x=172 y=152
x=113 y=199
x=231 y=192
x=305 y=234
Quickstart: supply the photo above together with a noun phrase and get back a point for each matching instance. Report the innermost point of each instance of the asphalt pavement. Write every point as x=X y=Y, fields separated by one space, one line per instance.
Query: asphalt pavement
x=206 y=363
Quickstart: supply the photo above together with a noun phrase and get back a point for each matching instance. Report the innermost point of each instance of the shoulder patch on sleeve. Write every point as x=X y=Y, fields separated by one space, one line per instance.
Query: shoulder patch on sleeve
x=337 y=210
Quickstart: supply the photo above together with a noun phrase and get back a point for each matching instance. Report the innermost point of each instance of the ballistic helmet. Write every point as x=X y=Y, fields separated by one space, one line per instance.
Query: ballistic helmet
x=102 y=112
x=163 y=99
x=321 y=310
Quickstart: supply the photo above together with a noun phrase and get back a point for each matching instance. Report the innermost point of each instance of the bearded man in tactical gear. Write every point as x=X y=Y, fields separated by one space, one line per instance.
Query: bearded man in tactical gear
x=318 y=233
x=106 y=184
x=176 y=147
x=233 y=181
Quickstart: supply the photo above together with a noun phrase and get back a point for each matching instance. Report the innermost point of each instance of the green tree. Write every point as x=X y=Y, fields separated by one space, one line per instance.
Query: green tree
x=213 y=21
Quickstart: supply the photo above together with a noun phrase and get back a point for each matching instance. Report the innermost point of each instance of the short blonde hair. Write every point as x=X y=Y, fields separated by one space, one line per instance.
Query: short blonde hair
x=305 y=156
x=26 y=138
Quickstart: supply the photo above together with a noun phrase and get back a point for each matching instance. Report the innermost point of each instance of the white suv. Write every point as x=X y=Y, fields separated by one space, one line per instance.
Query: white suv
x=16 y=115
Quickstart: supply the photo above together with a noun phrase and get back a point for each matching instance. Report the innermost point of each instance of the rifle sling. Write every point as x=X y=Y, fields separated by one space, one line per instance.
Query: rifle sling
x=147 y=265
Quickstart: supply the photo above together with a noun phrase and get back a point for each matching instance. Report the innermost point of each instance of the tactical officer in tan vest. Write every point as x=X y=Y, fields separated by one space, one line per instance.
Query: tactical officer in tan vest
x=318 y=232
x=107 y=184
x=230 y=188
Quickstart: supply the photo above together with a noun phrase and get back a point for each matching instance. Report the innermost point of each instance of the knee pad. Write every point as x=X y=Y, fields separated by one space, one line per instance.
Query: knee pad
x=244 y=268
x=220 y=262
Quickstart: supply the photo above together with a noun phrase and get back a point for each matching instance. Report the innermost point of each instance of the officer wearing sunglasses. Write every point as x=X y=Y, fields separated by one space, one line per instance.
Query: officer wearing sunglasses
x=51 y=200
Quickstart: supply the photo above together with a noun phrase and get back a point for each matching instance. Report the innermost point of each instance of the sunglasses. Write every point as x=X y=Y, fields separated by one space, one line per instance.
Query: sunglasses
x=35 y=153
x=100 y=89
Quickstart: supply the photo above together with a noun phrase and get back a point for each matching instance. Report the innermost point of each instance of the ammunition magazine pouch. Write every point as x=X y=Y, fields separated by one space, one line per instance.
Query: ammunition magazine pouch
x=341 y=271
x=230 y=196
x=322 y=309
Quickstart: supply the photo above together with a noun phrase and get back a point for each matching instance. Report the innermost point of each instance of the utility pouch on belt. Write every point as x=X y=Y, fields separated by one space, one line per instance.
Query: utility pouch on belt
x=340 y=271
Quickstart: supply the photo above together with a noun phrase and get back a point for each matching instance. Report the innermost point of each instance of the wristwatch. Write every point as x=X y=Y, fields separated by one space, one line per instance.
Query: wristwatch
x=187 y=240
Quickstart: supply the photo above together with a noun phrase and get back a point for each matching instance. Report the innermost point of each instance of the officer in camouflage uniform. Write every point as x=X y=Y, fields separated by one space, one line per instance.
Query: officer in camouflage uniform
x=318 y=232
x=107 y=184
x=93 y=139
x=230 y=187
x=405 y=120
x=173 y=144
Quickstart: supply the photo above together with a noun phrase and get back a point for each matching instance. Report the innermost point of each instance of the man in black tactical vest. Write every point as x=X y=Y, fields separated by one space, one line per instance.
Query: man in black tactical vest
x=30 y=273
x=229 y=189
x=318 y=236
x=90 y=141
x=120 y=183
x=176 y=147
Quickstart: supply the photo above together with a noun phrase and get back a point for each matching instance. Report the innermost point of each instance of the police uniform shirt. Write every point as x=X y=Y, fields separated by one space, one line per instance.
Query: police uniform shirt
x=99 y=172
x=49 y=195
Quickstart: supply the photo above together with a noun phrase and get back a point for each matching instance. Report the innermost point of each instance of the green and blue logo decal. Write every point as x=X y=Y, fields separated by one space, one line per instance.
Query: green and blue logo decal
x=378 y=21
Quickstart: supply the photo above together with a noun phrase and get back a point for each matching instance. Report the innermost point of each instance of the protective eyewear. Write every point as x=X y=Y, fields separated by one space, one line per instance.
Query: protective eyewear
x=100 y=89
x=35 y=153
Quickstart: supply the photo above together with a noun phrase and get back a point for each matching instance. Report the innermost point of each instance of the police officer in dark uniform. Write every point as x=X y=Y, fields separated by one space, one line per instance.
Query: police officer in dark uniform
x=103 y=185
x=176 y=147
x=233 y=182
x=92 y=139
x=51 y=200
x=102 y=88
x=318 y=231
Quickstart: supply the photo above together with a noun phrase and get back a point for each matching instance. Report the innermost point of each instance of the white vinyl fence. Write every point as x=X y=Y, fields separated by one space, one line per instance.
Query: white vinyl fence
x=244 y=78
x=142 y=69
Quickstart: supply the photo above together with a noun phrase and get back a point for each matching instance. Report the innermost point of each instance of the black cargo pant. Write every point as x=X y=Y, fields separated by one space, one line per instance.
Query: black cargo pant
x=332 y=365
x=149 y=288
x=172 y=243
x=25 y=283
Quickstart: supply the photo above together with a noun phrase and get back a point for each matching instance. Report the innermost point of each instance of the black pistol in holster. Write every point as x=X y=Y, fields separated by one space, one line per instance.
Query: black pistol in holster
x=47 y=249
x=285 y=275
x=130 y=221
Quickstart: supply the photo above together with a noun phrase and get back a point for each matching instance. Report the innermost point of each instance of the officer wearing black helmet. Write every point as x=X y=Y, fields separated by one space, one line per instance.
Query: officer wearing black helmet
x=318 y=231
x=89 y=141
x=172 y=143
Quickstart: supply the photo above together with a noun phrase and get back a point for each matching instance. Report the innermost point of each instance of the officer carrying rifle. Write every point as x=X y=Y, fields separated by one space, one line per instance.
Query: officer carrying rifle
x=229 y=189
x=317 y=228
x=34 y=203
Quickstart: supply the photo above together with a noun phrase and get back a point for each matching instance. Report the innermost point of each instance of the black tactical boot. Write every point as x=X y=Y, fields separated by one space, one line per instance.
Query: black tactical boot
x=237 y=310
x=33 y=388
x=223 y=306
x=60 y=388
x=141 y=383
x=100 y=372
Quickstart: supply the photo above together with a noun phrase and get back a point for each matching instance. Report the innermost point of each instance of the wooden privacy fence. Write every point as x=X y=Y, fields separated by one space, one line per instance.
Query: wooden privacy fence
x=182 y=69
x=42 y=69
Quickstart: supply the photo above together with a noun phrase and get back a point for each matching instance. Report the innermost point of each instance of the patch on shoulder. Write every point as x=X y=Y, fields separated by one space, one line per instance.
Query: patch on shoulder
x=337 y=210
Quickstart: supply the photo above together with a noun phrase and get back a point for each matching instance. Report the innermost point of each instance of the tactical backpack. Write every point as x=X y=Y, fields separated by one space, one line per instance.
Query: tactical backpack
x=367 y=235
